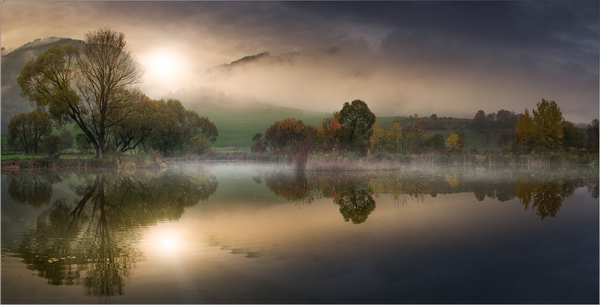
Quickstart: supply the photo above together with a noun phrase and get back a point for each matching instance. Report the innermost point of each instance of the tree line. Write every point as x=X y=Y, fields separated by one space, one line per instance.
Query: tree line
x=93 y=87
x=351 y=128
x=546 y=129
x=354 y=128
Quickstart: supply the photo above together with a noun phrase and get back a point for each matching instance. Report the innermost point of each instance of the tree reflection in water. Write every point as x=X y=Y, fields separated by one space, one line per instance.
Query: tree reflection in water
x=547 y=195
x=93 y=243
x=355 y=200
x=543 y=191
x=292 y=186
x=351 y=193
x=32 y=188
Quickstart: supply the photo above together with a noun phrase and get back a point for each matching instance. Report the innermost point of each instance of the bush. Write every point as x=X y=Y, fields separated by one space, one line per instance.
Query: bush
x=258 y=147
x=52 y=145
x=67 y=138
x=199 y=144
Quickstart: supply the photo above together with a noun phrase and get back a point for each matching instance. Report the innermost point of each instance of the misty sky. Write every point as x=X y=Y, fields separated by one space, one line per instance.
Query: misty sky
x=402 y=58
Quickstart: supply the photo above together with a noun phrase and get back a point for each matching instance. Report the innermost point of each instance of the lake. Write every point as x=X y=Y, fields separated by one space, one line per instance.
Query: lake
x=259 y=233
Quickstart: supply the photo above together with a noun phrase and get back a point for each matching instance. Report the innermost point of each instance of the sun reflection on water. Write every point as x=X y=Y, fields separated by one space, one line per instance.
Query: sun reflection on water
x=169 y=244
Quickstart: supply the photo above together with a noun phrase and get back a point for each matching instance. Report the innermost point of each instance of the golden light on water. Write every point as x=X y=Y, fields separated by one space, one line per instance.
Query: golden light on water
x=165 y=239
x=169 y=244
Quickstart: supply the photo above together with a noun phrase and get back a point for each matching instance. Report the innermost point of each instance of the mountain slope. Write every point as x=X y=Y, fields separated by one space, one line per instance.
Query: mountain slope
x=11 y=66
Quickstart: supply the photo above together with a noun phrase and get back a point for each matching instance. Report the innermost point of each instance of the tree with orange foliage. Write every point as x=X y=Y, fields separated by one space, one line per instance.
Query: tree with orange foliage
x=286 y=134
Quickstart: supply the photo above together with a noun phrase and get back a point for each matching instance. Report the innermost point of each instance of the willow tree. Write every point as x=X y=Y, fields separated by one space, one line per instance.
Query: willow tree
x=89 y=86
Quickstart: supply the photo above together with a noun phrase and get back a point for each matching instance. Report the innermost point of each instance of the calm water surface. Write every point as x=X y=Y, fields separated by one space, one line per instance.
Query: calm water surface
x=253 y=233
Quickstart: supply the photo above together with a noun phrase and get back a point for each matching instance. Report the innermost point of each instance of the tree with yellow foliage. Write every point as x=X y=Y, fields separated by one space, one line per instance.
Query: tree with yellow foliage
x=455 y=142
x=525 y=134
x=548 y=121
x=544 y=129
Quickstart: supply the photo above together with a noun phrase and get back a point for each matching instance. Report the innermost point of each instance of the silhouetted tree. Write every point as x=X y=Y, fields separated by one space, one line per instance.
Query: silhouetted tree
x=479 y=121
x=592 y=132
x=572 y=136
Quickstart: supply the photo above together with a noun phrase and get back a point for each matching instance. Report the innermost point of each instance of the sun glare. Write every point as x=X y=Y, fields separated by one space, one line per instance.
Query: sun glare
x=163 y=64
x=169 y=244
x=164 y=71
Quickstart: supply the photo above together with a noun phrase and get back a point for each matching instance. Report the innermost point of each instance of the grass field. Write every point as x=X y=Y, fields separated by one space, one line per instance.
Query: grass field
x=237 y=126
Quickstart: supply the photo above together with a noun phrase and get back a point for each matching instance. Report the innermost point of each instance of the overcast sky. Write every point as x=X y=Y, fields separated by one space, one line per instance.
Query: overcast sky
x=448 y=58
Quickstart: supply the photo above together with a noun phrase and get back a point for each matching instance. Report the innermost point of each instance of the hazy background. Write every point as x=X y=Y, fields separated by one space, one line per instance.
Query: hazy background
x=402 y=58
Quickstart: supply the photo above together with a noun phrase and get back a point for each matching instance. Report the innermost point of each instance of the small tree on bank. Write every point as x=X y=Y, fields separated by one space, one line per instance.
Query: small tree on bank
x=26 y=130
x=67 y=138
x=286 y=134
x=52 y=145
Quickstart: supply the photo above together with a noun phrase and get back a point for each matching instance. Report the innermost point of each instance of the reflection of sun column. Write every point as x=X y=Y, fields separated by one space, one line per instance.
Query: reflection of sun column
x=167 y=240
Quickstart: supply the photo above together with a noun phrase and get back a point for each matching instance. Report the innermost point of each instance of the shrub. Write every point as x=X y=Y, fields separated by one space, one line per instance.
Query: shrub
x=52 y=145
x=67 y=138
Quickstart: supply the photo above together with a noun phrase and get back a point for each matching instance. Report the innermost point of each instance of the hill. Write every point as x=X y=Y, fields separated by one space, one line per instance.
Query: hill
x=239 y=118
x=11 y=66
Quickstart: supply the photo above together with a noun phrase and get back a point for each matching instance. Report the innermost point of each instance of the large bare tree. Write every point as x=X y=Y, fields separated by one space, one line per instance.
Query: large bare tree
x=91 y=86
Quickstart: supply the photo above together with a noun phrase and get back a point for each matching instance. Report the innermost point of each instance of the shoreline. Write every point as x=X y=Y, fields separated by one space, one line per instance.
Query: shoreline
x=338 y=161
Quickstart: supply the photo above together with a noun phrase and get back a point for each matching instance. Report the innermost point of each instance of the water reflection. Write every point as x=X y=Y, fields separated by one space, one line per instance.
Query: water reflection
x=96 y=235
x=351 y=193
x=30 y=188
x=542 y=191
x=355 y=201
x=292 y=186
x=93 y=242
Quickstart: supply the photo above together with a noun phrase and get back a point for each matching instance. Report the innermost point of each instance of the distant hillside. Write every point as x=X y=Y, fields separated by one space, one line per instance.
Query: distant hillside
x=11 y=66
x=264 y=58
x=237 y=118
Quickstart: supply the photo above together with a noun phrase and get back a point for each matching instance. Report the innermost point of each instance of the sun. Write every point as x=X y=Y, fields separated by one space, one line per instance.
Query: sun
x=163 y=65
x=164 y=71
x=169 y=244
